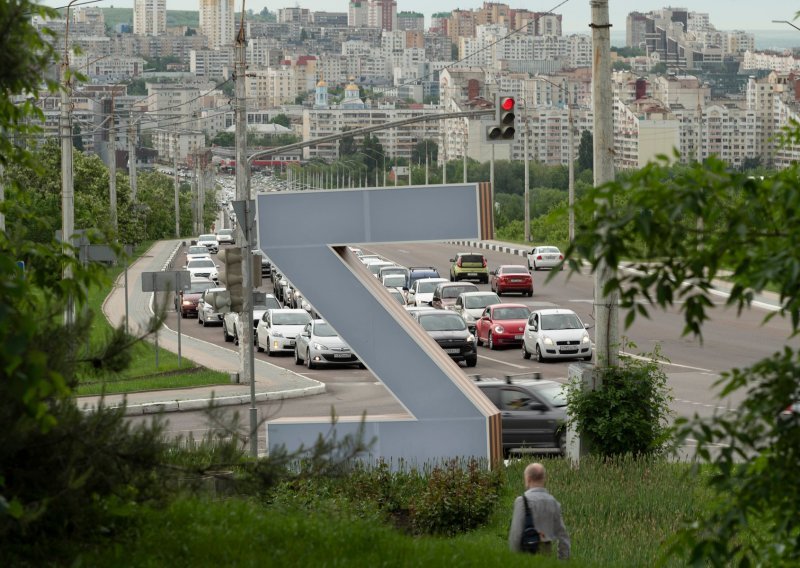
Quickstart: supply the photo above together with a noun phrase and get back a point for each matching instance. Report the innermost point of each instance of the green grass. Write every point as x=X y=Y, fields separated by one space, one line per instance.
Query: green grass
x=142 y=374
x=617 y=513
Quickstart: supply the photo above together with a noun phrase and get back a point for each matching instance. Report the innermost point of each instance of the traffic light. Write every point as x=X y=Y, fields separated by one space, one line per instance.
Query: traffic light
x=505 y=116
x=232 y=277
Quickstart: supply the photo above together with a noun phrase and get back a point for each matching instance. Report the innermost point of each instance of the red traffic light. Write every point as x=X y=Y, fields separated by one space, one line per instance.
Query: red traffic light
x=507 y=103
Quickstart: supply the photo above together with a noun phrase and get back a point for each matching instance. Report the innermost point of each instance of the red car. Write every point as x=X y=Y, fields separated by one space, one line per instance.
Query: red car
x=187 y=300
x=502 y=324
x=512 y=278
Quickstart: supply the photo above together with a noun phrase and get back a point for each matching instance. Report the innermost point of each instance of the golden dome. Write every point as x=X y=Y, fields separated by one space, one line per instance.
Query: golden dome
x=322 y=83
x=351 y=87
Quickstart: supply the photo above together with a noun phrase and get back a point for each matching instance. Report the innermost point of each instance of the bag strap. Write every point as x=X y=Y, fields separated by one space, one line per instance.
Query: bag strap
x=528 y=514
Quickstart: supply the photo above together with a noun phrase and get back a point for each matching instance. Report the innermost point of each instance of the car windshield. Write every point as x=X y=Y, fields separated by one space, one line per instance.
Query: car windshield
x=426 y=287
x=554 y=395
x=511 y=313
x=515 y=270
x=207 y=238
x=199 y=287
x=473 y=302
x=292 y=318
x=472 y=258
x=561 y=321
x=397 y=295
x=394 y=280
x=201 y=263
x=197 y=250
x=442 y=322
x=324 y=329
x=225 y=232
x=549 y=250
x=454 y=291
x=375 y=268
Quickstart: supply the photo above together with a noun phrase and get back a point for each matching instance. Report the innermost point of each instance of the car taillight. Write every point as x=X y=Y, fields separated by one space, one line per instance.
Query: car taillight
x=561 y=257
x=539 y=257
x=458 y=263
x=484 y=262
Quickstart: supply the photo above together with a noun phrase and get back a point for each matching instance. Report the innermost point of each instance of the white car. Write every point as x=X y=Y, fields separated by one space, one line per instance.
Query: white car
x=197 y=251
x=226 y=237
x=319 y=344
x=397 y=281
x=213 y=305
x=203 y=268
x=472 y=304
x=210 y=242
x=544 y=257
x=421 y=291
x=556 y=334
x=231 y=322
x=278 y=329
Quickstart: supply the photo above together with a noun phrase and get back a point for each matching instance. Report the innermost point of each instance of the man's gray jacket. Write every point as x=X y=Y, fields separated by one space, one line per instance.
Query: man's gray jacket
x=547 y=519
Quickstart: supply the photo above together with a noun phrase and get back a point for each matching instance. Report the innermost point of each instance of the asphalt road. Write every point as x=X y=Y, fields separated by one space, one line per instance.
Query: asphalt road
x=730 y=340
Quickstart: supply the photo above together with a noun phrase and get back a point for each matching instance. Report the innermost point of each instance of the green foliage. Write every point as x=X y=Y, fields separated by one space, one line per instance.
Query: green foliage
x=586 y=151
x=423 y=147
x=628 y=412
x=281 y=119
x=696 y=224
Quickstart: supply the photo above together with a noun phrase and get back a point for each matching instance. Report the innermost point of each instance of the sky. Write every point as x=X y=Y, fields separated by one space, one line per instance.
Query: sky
x=723 y=14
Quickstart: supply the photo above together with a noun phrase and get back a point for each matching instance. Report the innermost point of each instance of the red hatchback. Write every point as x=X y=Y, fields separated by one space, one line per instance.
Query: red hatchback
x=502 y=324
x=512 y=278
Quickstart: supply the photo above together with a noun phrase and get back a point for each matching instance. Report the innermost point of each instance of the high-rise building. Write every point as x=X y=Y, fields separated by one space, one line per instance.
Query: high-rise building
x=216 y=22
x=150 y=17
x=358 y=14
x=382 y=14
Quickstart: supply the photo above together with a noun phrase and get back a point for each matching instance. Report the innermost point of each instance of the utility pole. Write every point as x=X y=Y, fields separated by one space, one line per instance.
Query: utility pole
x=132 y=157
x=606 y=309
x=466 y=141
x=177 y=185
x=571 y=172
x=196 y=192
x=526 y=193
x=246 y=355
x=112 y=166
x=67 y=187
x=491 y=185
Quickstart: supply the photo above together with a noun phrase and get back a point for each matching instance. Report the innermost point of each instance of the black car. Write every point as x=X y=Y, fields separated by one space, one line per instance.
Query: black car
x=450 y=331
x=534 y=413
x=419 y=272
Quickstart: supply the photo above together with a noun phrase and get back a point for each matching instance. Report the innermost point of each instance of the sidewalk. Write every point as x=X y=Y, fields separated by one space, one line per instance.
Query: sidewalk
x=271 y=382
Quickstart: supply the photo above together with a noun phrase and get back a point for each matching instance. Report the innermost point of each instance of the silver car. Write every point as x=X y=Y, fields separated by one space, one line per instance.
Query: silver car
x=421 y=291
x=210 y=242
x=319 y=344
x=556 y=334
x=471 y=305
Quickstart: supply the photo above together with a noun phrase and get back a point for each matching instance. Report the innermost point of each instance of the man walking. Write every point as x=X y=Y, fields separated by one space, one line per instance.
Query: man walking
x=546 y=512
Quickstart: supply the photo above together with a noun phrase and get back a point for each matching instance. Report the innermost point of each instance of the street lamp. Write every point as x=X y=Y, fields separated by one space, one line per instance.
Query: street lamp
x=785 y=22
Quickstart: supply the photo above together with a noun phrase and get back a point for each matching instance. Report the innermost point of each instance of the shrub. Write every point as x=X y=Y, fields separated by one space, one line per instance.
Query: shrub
x=628 y=413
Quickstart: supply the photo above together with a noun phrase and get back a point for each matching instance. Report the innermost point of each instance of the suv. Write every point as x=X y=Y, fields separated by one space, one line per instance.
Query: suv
x=450 y=331
x=534 y=413
x=226 y=236
x=210 y=242
x=469 y=265
x=419 y=272
x=446 y=293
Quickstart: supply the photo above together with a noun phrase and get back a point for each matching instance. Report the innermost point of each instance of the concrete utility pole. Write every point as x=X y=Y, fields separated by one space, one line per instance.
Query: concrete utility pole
x=246 y=355
x=196 y=193
x=132 y=157
x=606 y=308
x=112 y=165
x=67 y=187
x=571 y=172
x=2 y=198
x=466 y=140
x=177 y=186
x=526 y=193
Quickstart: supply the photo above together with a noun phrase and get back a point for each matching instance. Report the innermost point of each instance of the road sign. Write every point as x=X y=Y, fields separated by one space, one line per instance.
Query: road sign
x=166 y=281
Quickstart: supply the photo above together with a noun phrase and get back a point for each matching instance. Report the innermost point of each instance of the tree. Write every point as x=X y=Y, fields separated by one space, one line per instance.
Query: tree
x=281 y=119
x=423 y=148
x=749 y=231
x=586 y=151
x=347 y=145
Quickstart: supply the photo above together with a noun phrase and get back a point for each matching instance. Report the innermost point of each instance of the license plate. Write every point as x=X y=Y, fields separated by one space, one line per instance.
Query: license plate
x=453 y=351
x=290 y=343
x=569 y=350
x=472 y=273
x=517 y=337
x=551 y=257
x=341 y=355
x=517 y=280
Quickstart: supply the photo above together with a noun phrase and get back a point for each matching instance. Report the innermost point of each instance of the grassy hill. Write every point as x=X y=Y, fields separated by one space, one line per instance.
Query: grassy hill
x=175 y=18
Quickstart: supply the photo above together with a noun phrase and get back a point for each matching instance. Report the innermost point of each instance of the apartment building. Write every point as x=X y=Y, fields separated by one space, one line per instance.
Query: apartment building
x=358 y=14
x=411 y=21
x=216 y=22
x=149 y=17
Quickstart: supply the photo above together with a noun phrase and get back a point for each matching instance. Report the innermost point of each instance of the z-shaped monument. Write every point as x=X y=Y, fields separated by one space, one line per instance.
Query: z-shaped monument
x=306 y=234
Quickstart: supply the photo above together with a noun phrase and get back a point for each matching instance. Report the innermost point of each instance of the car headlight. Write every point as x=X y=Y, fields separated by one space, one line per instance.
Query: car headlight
x=547 y=341
x=499 y=329
x=187 y=303
x=470 y=338
x=586 y=339
x=319 y=347
x=277 y=334
x=469 y=318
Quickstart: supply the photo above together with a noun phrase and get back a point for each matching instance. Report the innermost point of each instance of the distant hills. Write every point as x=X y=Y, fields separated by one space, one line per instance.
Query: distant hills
x=175 y=18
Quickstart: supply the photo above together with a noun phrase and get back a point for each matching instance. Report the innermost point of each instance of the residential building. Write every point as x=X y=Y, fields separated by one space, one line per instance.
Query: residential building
x=295 y=15
x=382 y=14
x=216 y=22
x=358 y=14
x=411 y=21
x=149 y=17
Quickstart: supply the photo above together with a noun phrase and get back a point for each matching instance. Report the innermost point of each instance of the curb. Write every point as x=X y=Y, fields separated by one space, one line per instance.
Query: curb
x=492 y=246
x=147 y=408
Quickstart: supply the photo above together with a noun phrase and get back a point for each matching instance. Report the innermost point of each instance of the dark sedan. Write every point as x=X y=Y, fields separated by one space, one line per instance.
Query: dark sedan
x=187 y=300
x=450 y=331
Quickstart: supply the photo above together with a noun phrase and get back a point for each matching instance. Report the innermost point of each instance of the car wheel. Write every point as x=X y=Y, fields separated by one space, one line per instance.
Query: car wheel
x=225 y=335
x=478 y=340
x=235 y=337
x=561 y=441
x=535 y=266
x=183 y=315
x=309 y=363
x=490 y=340
x=471 y=361
x=452 y=278
x=297 y=359
x=268 y=350
x=199 y=321
x=258 y=346
x=525 y=353
x=588 y=357
x=539 y=356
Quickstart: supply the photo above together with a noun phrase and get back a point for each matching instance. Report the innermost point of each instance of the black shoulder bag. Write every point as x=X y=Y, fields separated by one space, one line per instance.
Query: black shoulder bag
x=530 y=536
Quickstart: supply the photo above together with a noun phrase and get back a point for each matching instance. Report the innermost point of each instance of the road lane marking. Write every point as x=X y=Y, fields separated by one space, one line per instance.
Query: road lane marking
x=503 y=362
x=640 y=358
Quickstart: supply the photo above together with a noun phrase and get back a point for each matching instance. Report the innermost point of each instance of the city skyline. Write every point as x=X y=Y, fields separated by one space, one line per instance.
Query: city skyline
x=723 y=14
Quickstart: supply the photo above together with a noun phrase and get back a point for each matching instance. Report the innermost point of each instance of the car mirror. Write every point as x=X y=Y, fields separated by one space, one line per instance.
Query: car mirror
x=452 y=260
x=537 y=406
x=493 y=272
x=587 y=326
